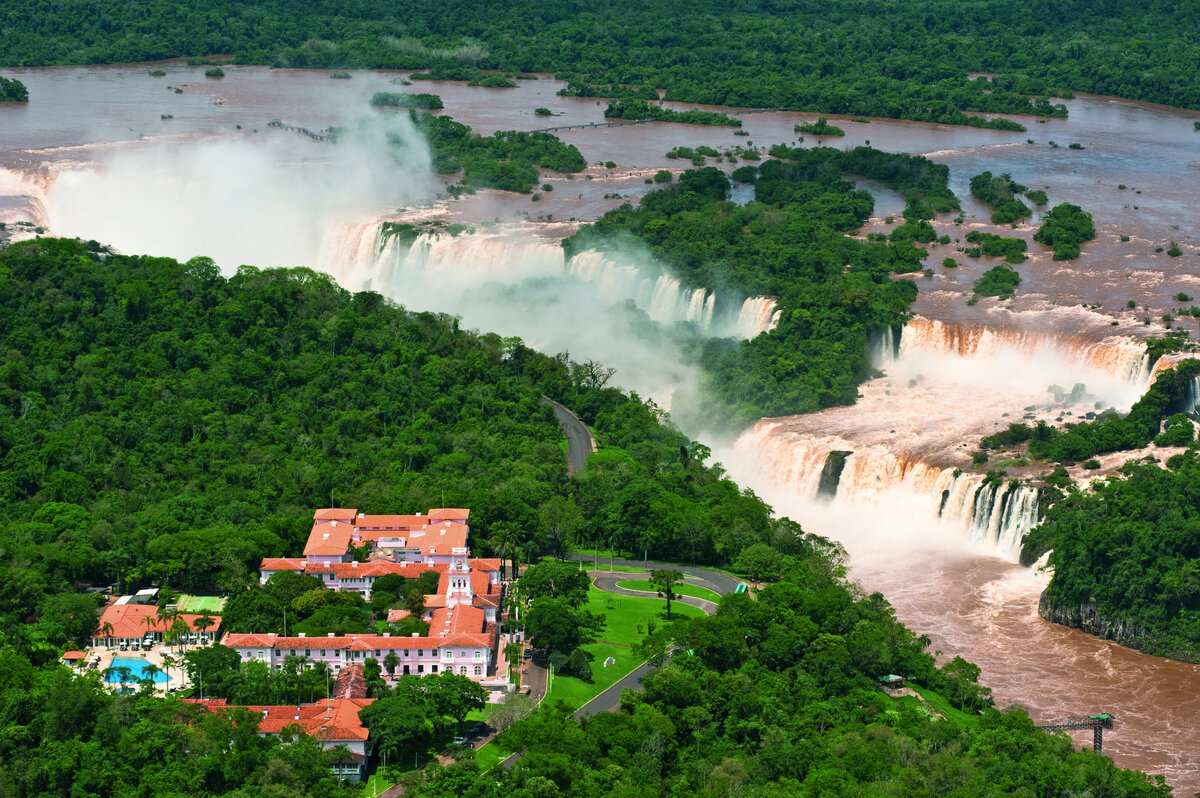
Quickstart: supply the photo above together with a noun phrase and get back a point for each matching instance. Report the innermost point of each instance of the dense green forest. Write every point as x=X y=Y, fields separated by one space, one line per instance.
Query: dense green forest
x=159 y=421
x=778 y=696
x=888 y=59
x=790 y=243
x=1130 y=546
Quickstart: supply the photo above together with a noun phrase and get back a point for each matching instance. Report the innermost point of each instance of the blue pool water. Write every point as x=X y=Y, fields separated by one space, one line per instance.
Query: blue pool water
x=136 y=668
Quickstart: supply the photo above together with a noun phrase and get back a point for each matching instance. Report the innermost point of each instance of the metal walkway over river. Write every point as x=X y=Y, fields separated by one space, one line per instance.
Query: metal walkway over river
x=1097 y=723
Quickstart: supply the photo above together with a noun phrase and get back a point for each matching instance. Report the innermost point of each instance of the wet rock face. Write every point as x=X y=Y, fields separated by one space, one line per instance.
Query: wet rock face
x=1086 y=618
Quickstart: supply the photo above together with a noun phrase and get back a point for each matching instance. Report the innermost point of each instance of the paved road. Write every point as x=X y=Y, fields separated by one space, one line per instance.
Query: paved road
x=579 y=439
x=610 y=699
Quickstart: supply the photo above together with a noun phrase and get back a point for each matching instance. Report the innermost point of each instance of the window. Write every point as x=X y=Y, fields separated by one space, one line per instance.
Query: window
x=376 y=653
x=421 y=668
x=478 y=653
x=449 y=654
x=322 y=652
x=406 y=652
x=478 y=671
x=463 y=670
x=307 y=653
x=434 y=669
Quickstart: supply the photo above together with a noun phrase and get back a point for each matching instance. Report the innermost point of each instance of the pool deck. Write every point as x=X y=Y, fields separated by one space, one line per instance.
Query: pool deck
x=179 y=678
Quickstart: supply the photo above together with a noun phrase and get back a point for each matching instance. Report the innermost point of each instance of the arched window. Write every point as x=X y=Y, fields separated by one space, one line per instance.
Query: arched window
x=463 y=670
x=478 y=671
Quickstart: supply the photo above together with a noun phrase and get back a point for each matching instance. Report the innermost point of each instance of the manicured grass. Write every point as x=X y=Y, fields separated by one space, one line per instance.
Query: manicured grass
x=681 y=589
x=626 y=618
x=374 y=785
x=485 y=714
x=492 y=754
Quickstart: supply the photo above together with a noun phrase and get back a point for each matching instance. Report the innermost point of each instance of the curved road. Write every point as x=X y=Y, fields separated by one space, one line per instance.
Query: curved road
x=610 y=699
x=579 y=438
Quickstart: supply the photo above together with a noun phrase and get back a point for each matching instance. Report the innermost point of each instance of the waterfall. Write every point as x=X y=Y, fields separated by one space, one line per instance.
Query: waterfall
x=375 y=255
x=757 y=315
x=1123 y=357
x=829 y=468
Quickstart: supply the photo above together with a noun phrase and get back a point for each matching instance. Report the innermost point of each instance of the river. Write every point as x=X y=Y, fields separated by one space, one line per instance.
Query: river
x=114 y=154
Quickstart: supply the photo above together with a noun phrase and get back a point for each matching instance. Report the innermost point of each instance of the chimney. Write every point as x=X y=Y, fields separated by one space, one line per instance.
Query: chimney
x=416 y=634
x=333 y=523
x=387 y=634
x=330 y=634
x=295 y=717
x=302 y=634
x=354 y=563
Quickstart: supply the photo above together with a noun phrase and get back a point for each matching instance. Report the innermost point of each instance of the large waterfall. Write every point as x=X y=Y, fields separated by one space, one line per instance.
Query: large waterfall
x=372 y=255
x=905 y=442
x=997 y=513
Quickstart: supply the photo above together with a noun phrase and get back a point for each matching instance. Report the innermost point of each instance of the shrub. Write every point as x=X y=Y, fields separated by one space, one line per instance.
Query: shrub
x=215 y=72
x=663 y=176
x=542 y=111
x=949 y=263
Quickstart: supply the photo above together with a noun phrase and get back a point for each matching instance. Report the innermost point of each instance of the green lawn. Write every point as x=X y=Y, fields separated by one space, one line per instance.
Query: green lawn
x=485 y=714
x=492 y=754
x=682 y=589
x=626 y=618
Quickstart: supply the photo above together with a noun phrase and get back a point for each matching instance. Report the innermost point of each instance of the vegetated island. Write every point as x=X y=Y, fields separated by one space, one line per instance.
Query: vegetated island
x=506 y=160
x=833 y=291
x=820 y=128
x=1064 y=228
x=13 y=91
x=394 y=99
x=1000 y=192
x=636 y=110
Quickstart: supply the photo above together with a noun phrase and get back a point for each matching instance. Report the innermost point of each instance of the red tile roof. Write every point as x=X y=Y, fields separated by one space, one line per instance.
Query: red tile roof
x=485 y=564
x=350 y=683
x=465 y=622
x=335 y=514
x=282 y=564
x=128 y=621
x=73 y=655
x=330 y=721
x=449 y=514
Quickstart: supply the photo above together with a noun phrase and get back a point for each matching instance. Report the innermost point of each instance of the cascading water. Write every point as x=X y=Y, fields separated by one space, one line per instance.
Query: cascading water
x=945 y=387
x=374 y=255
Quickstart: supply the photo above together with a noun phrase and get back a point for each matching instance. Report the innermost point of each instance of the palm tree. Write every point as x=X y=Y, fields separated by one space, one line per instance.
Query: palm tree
x=391 y=662
x=168 y=662
x=149 y=671
x=203 y=622
x=106 y=629
x=505 y=539
x=150 y=622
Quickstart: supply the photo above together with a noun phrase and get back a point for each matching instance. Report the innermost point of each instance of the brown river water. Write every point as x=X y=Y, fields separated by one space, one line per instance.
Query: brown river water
x=92 y=155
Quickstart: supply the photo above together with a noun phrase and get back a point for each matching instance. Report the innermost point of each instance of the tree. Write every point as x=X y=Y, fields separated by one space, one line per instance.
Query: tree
x=758 y=561
x=286 y=586
x=204 y=622
x=391 y=662
x=550 y=579
x=212 y=667
x=553 y=624
x=664 y=582
x=454 y=695
x=560 y=518
x=69 y=618
x=252 y=610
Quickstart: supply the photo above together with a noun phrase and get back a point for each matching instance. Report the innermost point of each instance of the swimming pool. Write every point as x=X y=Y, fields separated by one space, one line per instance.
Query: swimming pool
x=136 y=668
